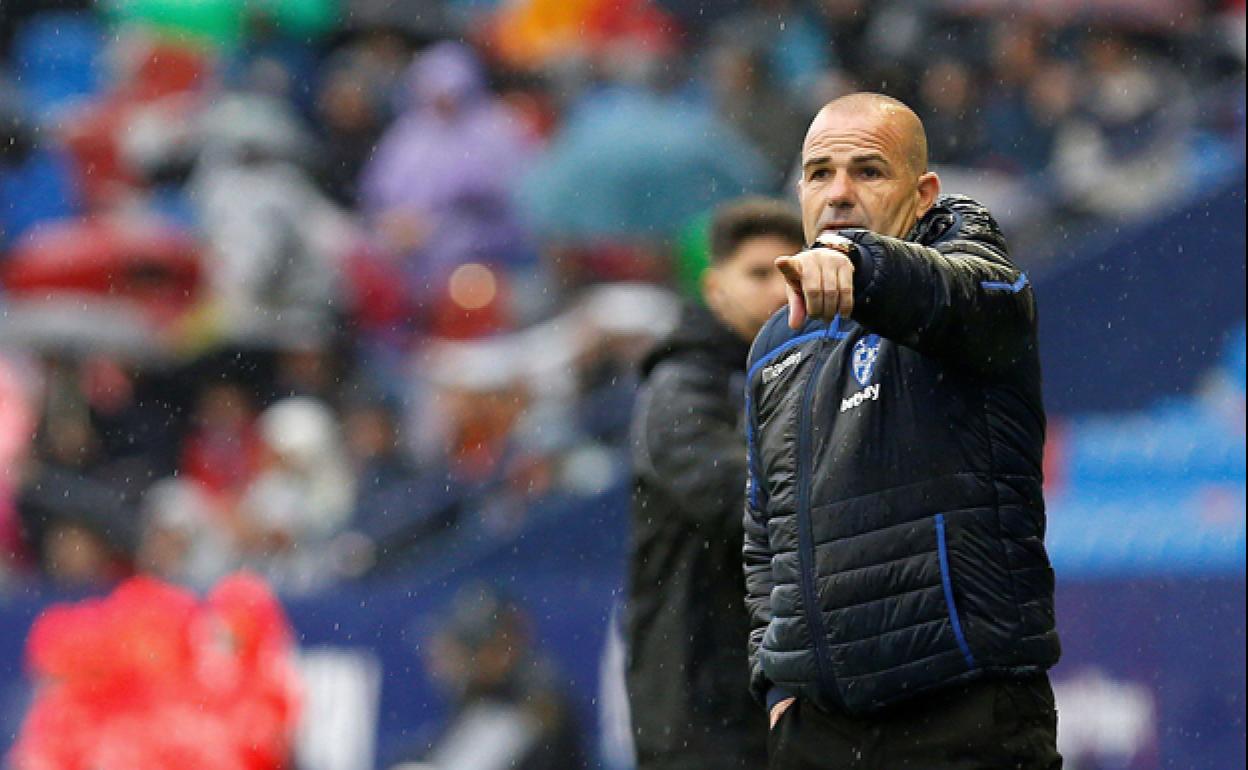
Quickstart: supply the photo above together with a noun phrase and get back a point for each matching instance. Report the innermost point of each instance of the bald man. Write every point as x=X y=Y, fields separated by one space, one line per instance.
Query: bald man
x=900 y=595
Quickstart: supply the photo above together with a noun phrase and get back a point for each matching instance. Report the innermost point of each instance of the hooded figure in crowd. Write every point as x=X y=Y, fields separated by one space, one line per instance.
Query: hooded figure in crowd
x=439 y=187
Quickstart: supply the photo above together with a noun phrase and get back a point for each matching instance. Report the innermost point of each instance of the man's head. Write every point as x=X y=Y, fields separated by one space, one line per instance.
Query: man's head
x=742 y=287
x=482 y=643
x=864 y=164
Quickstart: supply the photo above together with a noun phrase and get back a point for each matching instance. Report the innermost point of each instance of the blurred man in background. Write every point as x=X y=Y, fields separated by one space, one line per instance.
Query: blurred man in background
x=508 y=713
x=900 y=595
x=687 y=668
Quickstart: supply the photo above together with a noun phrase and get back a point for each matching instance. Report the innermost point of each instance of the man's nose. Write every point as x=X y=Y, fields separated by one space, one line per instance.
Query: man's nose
x=840 y=191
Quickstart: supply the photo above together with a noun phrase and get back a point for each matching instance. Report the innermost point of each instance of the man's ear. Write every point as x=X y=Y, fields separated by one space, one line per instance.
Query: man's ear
x=928 y=190
x=709 y=284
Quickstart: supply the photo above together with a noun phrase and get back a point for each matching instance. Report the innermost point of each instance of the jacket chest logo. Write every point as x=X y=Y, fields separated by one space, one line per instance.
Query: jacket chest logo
x=866 y=354
x=862 y=360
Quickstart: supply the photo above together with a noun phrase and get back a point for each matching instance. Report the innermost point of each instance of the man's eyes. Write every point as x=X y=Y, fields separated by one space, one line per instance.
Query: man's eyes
x=865 y=172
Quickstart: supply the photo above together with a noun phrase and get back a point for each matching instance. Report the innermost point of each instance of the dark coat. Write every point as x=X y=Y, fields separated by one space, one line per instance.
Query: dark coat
x=895 y=519
x=687 y=675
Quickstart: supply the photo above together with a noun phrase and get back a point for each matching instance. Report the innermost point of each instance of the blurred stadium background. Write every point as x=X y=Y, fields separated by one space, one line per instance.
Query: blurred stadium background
x=349 y=293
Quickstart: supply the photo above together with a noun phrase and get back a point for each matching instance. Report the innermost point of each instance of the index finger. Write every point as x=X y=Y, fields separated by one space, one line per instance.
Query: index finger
x=791 y=269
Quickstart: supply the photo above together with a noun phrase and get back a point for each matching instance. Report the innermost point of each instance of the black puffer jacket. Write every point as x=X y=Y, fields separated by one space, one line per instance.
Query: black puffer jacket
x=686 y=622
x=894 y=521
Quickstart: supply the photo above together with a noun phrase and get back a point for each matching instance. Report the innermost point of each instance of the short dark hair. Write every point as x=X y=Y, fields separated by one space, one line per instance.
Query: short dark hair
x=747 y=218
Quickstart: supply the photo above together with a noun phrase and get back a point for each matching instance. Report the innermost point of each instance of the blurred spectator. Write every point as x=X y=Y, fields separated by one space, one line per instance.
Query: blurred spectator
x=352 y=105
x=182 y=538
x=507 y=710
x=618 y=325
x=745 y=95
x=157 y=83
x=36 y=180
x=275 y=254
x=222 y=451
x=1017 y=143
x=309 y=365
x=796 y=54
x=438 y=189
x=417 y=22
x=92 y=457
x=399 y=508
x=1126 y=150
x=845 y=24
x=136 y=681
x=279 y=59
x=301 y=497
x=480 y=392
x=949 y=108
x=17 y=426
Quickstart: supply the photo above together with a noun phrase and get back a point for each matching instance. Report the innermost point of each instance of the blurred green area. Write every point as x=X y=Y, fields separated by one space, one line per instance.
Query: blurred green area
x=225 y=22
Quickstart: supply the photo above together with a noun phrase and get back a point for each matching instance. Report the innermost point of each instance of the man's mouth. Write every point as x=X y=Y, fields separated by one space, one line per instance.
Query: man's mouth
x=833 y=226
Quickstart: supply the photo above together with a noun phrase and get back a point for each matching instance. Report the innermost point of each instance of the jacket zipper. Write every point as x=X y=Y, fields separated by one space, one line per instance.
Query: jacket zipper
x=805 y=533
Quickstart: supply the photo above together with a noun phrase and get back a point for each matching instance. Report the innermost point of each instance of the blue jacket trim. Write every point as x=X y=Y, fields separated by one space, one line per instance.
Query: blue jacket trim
x=1012 y=288
x=749 y=450
x=833 y=331
x=948 y=586
x=775 y=353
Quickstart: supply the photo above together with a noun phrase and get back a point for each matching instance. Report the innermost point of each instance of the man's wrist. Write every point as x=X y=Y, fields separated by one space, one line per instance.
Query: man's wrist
x=775 y=695
x=863 y=257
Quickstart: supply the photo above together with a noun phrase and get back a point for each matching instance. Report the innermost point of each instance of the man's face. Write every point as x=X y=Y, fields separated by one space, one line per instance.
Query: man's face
x=745 y=288
x=858 y=170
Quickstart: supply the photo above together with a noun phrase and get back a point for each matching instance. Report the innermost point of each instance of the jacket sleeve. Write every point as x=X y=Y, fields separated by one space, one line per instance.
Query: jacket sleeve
x=686 y=440
x=960 y=299
x=756 y=554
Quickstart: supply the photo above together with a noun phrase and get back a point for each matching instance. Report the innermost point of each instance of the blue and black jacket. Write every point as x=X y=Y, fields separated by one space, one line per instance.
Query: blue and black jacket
x=894 y=516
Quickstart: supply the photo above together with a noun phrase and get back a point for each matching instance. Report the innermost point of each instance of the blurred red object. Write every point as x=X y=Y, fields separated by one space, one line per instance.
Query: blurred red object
x=474 y=303
x=378 y=296
x=144 y=261
x=151 y=71
x=151 y=677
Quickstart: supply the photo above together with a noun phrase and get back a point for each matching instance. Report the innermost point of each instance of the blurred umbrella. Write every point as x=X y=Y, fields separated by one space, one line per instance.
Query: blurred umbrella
x=104 y=285
x=80 y=327
x=629 y=163
x=224 y=22
x=219 y=21
x=143 y=262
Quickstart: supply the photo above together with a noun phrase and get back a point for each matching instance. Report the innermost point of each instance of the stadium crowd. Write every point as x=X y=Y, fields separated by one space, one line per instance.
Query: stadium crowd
x=310 y=286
